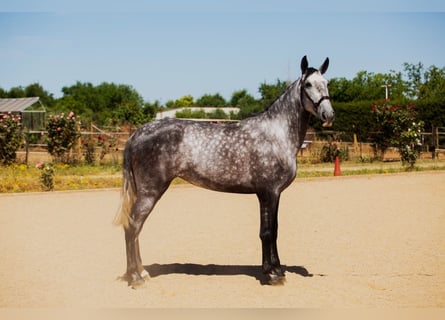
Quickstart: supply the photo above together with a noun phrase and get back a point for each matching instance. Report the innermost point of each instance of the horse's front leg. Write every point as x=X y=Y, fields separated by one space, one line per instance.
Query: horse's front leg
x=268 y=233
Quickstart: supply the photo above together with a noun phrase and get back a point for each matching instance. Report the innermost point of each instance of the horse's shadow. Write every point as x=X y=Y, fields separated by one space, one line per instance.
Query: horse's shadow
x=156 y=270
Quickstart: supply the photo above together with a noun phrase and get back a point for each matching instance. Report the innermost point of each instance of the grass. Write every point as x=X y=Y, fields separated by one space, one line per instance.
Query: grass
x=20 y=178
x=362 y=168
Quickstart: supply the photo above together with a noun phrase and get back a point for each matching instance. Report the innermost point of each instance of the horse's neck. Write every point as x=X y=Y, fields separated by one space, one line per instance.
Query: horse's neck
x=288 y=109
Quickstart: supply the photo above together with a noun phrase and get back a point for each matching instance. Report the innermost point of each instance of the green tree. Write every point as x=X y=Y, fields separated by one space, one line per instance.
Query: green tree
x=150 y=110
x=367 y=86
x=36 y=90
x=270 y=92
x=105 y=104
x=211 y=100
x=414 y=73
x=17 y=92
x=3 y=93
x=339 y=90
x=433 y=87
x=247 y=103
x=239 y=96
x=185 y=101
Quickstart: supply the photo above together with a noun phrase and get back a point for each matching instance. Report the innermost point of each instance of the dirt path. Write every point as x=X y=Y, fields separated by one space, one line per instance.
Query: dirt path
x=374 y=241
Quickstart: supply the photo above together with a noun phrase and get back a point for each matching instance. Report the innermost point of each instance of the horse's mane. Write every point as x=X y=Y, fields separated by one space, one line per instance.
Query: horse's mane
x=308 y=72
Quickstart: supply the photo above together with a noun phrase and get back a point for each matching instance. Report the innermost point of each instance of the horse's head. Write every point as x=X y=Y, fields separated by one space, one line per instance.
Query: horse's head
x=314 y=93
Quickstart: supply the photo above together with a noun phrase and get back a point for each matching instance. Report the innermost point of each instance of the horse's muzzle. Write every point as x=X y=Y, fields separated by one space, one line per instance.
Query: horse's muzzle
x=327 y=117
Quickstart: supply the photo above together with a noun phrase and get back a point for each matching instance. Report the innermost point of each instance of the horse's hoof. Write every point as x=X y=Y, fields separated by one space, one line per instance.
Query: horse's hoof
x=277 y=278
x=138 y=284
x=135 y=280
x=145 y=275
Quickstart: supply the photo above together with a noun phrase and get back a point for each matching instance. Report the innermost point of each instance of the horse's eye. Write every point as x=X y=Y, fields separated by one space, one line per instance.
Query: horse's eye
x=308 y=84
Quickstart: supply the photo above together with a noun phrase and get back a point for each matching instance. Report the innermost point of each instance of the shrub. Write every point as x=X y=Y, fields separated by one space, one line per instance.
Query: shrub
x=46 y=176
x=10 y=137
x=399 y=128
x=89 y=149
x=106 y=145
x=330 y=151
x=63 y=132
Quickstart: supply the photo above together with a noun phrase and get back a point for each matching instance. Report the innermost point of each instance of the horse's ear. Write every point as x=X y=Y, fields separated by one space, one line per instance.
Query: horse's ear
x=304 y=64
x=324 y=66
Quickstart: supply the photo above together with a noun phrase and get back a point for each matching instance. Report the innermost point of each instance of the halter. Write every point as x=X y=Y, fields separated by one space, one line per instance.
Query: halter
x=315 y=104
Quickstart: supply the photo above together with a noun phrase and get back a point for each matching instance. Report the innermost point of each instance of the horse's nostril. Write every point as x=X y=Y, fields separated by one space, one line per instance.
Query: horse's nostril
x=323 y=116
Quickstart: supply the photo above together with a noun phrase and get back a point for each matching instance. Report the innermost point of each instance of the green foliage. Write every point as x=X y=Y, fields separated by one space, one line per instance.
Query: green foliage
x=433 y=87
x=270 y=92
x=211 y=100
x=330 y=151
x=183 y=102
x=414 y=75
x=10 y=137
x=191 y=114
x=431 y=112
x=105 y=104
x=350 y=118
x=367 y=86
x=238 y=97
x=63 y=132
x=399 y=128
x=110 y=104
x=188 y=113
x=98 y=146
x=32 y=90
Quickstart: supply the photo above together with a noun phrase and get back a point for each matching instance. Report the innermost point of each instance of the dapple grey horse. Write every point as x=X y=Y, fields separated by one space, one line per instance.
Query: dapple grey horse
x=256 y=155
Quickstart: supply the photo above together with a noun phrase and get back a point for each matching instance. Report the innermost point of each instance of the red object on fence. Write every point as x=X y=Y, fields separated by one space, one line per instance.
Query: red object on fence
x=337 y=171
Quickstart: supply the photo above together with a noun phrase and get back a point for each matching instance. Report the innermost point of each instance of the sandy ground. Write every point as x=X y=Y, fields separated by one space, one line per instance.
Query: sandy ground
x=372 y=241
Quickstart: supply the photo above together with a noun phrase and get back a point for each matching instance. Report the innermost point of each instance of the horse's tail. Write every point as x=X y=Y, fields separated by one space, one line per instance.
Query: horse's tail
x=128 y=192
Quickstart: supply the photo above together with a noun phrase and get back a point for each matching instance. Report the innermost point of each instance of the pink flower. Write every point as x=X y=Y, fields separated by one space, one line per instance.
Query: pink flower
x=59 y=129
x=71 y=115
x=39 y=165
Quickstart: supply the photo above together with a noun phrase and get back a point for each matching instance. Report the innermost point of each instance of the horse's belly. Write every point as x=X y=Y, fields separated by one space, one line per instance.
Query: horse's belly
x=221 y=181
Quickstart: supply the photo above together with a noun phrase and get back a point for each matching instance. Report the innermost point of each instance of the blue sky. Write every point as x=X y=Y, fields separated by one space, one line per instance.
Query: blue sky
x=167 y=49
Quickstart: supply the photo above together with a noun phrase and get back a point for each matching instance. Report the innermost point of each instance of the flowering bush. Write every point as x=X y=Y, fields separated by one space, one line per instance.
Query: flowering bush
x=106 y=145
x=330 y=151
x=47 y=175
x=102 y=144
x=398 y=127
x=62 y=135
x=10 y=137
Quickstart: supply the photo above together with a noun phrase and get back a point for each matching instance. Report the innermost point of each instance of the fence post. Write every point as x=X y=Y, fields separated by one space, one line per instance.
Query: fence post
x=26 y=145
x=433 y=143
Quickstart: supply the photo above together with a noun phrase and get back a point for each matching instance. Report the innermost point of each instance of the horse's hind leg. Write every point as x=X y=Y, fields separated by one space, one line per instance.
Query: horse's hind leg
x=144 y=274
x=139 y=213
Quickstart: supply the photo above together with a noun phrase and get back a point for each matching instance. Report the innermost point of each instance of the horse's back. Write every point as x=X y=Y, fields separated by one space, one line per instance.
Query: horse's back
x=239 y=157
